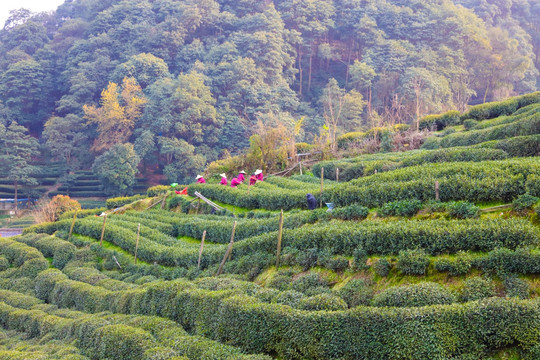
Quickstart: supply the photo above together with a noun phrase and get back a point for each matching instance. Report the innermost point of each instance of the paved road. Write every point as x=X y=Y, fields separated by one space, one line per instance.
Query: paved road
x=10 y=232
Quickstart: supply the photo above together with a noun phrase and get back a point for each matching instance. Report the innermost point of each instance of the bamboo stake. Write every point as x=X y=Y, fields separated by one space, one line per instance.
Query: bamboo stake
x=137 y=242
x=437 y=190
x=72 y=225
x=337 y=174
x=280 y=233
x=103 y=230
x=322 y=184
x=300 y=167
x=228 y=252
x=201 y=249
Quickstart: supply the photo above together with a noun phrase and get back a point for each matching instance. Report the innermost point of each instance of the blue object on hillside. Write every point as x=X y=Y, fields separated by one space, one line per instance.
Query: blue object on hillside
x=330 y=206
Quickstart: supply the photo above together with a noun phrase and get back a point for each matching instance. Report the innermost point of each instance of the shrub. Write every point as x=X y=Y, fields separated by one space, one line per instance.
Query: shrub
x=308 y=258
x=52 y=210
x=382 y=267
x=524 y=202
x=310 y=284
x=4 y=263
x=117 y=202
x=337 y=263
x=439 y=122
x=469 y=124
x=400 y=208
x=492 y=109
x=477 y=288
x=431 y=143
x=158 y=190
x=289 y=297
x=516 y=287
x=360 y=258
x=356 y=292
x=122 y=342
x=412 y=262
x=280 y=282
x=462 y=210
x=422 y=294
x=352 y=212
x=45 y=282
x=319 y=302
x=459 y=265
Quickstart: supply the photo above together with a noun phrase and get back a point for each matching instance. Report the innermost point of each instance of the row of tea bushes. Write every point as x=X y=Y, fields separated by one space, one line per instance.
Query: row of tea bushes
x=519 y=146
x=364 y=166
x=435 y=236
x=470 y=329
x=476 y=182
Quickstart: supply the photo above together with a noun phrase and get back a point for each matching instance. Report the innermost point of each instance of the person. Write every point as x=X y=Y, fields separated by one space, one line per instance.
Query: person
x=223 y=179
x=235 y=182
x=200 y=180
x=259 y=175
x=311 y=202
x=241 y=176
x=252 y=180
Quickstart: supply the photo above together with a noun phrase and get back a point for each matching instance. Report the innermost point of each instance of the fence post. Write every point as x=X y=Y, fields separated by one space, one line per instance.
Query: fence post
x=72 y=225
x=337 y=174
x=280 y=233
x=228 y=252
x=300 y=162
x=201 y=249
x=103 y=230
x=137 y=242
x=437 y=191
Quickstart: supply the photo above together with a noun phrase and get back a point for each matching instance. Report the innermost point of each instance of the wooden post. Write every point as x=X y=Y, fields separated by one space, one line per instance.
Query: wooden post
x=437 y=190
x=137 y=242
x=72 y=225
x=198 y=206
x=117 y=263
x=300 y=167
x=280 y=233
x=322 y=184
x=375 y=171
x=228 y=252
x=201 y=249
x=337 y=174
x=103 y=230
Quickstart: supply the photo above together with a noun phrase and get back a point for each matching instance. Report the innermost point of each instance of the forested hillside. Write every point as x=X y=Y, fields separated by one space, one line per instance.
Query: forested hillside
x=167 y=86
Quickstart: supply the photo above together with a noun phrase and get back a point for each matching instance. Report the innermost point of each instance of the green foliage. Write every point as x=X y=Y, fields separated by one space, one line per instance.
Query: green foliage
x=320 y=302
x=356 y=292
x=462 y=210
x=477 y=288
x=439 y=122
x=406 y=208
x=311 y=284
x=158 y=190
x=360 y=257
x=117 y=168
x=458 y=265
x=382 y=267
x=352 y=212
x=516 y=287
x=337 y=263
x=524 y=202
x=422 y=294
x=412 y=262
x=117 y=202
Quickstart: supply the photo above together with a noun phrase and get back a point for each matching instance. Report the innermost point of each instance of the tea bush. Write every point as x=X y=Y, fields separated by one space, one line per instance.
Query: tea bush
x=462 y=210
x=406 y=208
x=516 y=287
x=477 y=288
x=412 y=262
x=422 y=294
x=356 y=292
x=382 y=267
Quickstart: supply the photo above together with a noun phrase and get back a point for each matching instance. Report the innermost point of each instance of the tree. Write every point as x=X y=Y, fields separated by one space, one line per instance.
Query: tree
x=16 y=151
x=117 y=168
x=66 y=138
x=182 y=162
x=339 y=106
x=116 y=116
x=50 y=211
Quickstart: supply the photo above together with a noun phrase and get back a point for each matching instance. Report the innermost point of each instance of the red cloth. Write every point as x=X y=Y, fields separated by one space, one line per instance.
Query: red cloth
x=235 y=182
x=252 y=180
x=201 y=181
x=183 y=192
x=260 y=177
x=241 y=177
x=224 y=181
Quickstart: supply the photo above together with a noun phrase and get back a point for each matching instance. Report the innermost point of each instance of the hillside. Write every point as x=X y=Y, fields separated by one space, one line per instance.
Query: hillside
x=166 y=87
x=400 y=268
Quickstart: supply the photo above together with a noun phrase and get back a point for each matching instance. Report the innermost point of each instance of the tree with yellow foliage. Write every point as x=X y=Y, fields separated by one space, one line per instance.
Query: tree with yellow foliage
x=116 y=116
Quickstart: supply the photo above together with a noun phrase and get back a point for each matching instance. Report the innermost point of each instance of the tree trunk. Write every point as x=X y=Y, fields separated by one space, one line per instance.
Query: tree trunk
x=16 y=197
x=486 y=93
x=300 y=74
x=310 y=65
x=348 y=65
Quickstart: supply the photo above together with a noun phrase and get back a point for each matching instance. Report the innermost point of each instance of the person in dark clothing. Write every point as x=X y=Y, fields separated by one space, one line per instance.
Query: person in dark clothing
x=311 y=202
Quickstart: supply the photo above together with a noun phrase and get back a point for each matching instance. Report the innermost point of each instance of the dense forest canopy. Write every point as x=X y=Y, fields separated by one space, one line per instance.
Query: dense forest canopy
x=180 y=83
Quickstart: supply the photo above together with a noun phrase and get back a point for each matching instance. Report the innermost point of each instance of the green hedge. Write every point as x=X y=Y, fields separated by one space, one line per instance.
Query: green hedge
x=422 y=294
x=499 y=108
x=475 y=182
x=519 y=146
x=121 y=201
x=439 y=122
x=441 y=331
